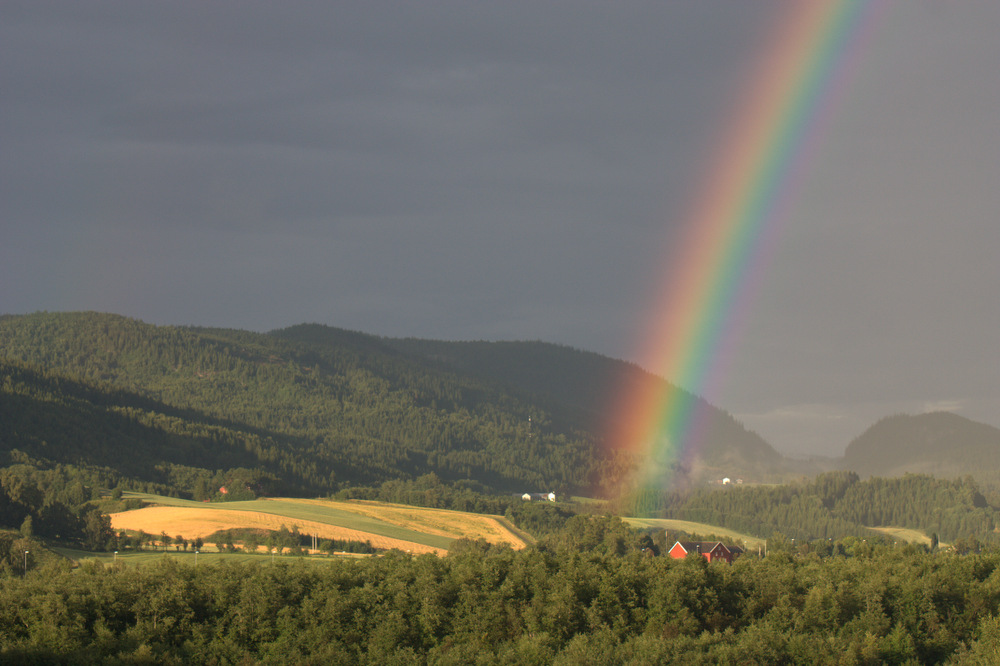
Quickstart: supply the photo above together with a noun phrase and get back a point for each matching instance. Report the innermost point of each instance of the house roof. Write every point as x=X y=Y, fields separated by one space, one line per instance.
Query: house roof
x=699 y=546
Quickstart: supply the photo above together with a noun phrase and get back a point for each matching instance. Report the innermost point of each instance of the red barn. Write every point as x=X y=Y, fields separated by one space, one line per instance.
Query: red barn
x=711 y=550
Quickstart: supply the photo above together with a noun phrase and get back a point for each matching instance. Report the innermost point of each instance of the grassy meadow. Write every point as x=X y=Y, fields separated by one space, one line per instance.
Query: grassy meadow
x=904 y=534
x=695 y=528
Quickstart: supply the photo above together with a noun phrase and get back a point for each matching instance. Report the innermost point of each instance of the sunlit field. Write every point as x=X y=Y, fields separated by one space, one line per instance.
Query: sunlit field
x=385 y=526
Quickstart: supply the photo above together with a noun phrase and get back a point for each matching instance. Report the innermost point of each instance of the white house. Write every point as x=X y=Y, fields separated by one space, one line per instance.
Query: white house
x=527 y=497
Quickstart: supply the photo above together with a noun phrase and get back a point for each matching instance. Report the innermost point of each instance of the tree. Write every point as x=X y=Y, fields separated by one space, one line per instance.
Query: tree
x=97 y=529
x=251 y=541
x=26 y=527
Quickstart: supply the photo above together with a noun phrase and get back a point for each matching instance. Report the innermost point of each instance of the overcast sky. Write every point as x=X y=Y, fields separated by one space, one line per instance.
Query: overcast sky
x=506 y=170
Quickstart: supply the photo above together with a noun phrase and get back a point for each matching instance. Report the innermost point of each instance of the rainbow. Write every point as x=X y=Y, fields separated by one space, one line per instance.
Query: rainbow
x=731 y=227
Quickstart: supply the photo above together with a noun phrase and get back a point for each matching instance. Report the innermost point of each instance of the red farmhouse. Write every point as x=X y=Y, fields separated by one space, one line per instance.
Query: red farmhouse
x=711 y=550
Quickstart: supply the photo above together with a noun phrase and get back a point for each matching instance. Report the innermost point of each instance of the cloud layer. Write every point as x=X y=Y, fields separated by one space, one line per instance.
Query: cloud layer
x=498 y=171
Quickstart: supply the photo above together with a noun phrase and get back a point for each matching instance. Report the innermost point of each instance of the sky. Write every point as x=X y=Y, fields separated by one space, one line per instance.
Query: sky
x=507 y=171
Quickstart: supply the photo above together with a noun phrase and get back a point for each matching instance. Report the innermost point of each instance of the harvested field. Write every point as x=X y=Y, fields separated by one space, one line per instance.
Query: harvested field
x=416 y=529
x=191 y=523
x=442 y=522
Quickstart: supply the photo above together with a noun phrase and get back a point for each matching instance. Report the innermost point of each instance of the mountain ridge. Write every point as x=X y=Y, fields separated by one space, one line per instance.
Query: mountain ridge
x=943 y=444
x=316 y=406
x=342 y=406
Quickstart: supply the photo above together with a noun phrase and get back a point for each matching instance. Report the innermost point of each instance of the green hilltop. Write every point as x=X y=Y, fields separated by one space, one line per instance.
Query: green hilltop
x=937 y=443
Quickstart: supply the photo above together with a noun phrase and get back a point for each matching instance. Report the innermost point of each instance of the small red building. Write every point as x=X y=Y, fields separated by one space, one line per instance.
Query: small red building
x=710 y=550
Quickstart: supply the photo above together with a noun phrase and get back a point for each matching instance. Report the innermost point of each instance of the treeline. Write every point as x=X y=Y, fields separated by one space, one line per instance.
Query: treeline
x=538 y=518
x=283 y=540
x=834 y=505
x=589 y=594
x=53 y=503
x=430 y=491
x=952 y=509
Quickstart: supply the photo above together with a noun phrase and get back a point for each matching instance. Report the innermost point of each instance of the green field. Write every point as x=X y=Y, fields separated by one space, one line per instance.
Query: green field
x=903 y=534
x=696 y=529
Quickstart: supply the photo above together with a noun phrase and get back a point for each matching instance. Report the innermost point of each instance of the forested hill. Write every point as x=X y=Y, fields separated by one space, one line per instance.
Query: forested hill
x=575 y=388
x=939 y=443
x=838 y=503
x=588 y=382
x=581 y=380
x=311 y=408
x=320 y=416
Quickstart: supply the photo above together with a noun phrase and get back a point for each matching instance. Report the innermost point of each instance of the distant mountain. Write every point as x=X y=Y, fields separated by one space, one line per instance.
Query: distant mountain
x=941 y=444
x=313 y=408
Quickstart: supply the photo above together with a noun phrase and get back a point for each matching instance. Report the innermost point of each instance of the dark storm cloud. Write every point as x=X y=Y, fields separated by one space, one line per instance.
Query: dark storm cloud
x=499 y=170
x=521 y=150
x=366 y=108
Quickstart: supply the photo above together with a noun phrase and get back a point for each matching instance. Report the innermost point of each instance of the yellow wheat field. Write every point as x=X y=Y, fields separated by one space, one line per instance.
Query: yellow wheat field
x=440 y=522
x=192 y=523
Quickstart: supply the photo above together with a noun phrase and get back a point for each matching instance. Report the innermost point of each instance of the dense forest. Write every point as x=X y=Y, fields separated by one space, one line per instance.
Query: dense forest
x=594 y=592
x=833 y=505
x=309 y=418
x=313 y=409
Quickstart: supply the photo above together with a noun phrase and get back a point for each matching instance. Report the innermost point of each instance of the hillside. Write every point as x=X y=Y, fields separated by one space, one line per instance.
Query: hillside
x=315 y=417
x=837 y=504
x=586 y=383
x=90 y=401
x=941 y=444
x=313 y=409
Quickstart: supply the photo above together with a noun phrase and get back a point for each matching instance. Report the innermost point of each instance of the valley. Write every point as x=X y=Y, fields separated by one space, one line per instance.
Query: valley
x=185 y=494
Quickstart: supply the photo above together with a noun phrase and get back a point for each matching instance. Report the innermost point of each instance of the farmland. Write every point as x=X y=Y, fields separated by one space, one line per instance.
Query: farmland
x=385 y=526
x=695 y=528
x=904 y=534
